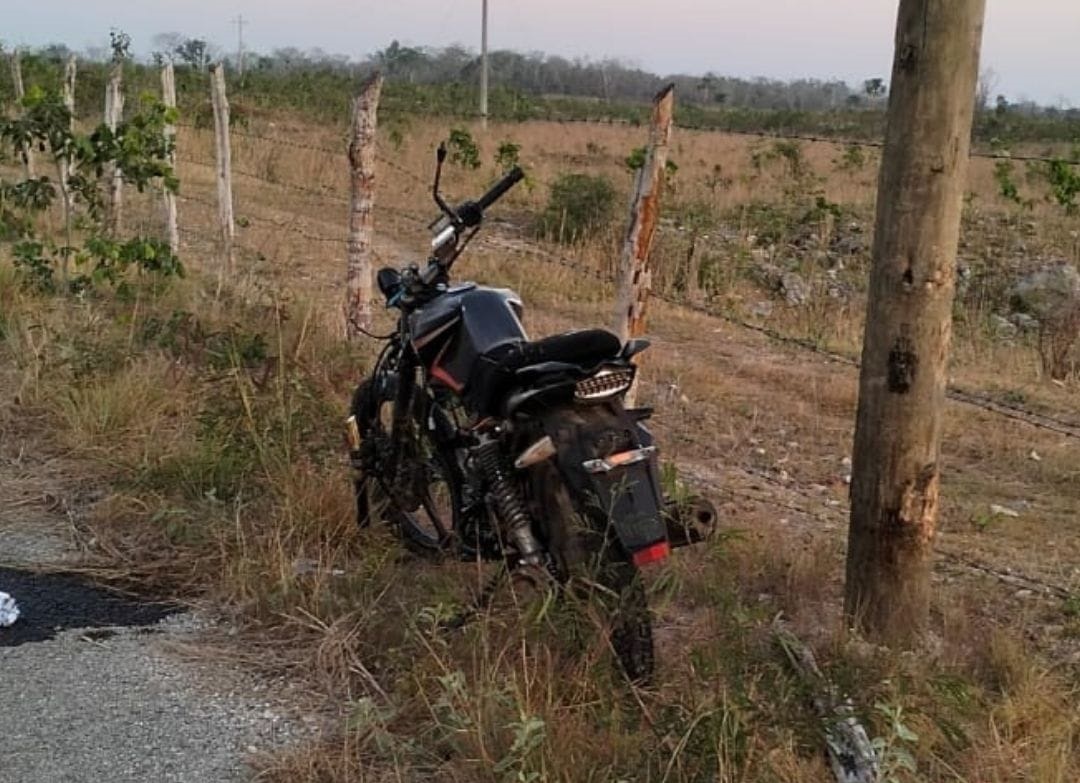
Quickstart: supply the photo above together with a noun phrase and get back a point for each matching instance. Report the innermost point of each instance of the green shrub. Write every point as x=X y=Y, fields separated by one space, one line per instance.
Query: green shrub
x=463 y=149
x=578 y=205
x=507 y=155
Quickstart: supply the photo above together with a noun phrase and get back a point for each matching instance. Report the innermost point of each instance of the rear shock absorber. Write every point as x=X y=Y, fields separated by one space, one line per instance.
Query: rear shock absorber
x=508 y=503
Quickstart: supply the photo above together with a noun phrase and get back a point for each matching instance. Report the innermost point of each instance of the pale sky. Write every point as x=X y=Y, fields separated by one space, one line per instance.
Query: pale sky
x=1032 y=45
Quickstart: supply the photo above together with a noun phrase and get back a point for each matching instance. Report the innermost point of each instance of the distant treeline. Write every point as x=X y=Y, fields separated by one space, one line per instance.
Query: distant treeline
x=442 y=82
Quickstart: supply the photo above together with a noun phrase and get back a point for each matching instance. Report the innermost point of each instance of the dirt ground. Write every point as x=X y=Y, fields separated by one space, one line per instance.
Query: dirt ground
x=764 y=426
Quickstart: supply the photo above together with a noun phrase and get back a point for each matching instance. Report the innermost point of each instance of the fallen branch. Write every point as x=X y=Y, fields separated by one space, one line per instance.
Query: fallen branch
x=847 y=746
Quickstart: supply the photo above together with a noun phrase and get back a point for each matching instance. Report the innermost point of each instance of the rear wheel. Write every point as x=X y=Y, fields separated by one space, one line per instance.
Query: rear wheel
x=592 y=564
x=420 y=498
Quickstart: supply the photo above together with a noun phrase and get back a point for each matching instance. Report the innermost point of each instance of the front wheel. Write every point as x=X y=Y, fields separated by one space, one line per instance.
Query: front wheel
x=418 y=493
x=590 y=562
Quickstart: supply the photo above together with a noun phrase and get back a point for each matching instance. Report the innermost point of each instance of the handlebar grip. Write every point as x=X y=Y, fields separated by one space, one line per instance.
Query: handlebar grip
x=498 y=190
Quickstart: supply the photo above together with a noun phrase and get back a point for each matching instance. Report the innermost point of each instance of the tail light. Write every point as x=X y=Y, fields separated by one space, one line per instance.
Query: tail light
x=652 y=554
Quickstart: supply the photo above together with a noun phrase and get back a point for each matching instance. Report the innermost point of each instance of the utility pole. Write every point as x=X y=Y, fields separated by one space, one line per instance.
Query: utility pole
x=484 y=67
x=239 y=22
x=896 y=471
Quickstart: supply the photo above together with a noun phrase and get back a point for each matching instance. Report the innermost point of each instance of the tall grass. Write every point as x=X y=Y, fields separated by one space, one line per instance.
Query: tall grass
x=214 y=428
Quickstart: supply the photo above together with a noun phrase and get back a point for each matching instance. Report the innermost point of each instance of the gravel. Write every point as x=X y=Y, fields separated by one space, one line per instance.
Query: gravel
x=92 y=690
x=92 y=686
x=114 y=705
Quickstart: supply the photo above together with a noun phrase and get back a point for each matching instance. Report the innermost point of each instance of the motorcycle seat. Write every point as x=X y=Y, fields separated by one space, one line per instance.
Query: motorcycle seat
x=586 y=346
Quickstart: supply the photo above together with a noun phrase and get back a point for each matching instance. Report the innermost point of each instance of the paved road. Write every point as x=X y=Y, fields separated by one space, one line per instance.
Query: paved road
x=97 y=702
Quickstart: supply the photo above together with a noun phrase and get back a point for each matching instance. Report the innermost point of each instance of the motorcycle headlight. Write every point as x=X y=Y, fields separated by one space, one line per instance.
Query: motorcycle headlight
x=604 y=384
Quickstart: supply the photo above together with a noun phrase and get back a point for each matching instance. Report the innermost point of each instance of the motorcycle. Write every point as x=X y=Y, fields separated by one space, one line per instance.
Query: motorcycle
x=470 y=440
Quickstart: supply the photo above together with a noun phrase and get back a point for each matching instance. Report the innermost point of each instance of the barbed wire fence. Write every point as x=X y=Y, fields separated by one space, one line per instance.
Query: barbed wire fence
x=309 y=198
x=269 y=230
x=1072 y=160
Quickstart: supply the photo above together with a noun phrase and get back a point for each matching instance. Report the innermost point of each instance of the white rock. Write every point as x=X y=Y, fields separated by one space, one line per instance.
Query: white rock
x=1034 y=455
x=9 y=611
x=1003 y=511
x=1003 y=327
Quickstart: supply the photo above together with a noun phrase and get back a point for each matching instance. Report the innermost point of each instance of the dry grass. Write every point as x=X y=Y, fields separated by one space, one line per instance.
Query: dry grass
x=227 y=486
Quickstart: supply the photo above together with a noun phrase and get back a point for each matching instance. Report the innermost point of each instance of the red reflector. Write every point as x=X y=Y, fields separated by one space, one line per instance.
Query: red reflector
x=652 y=553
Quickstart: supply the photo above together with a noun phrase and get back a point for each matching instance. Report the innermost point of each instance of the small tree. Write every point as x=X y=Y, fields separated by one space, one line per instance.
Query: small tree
x=507 y=155
x=137 y=147
x=874 y=88
x=463 y=149
x=193 y=52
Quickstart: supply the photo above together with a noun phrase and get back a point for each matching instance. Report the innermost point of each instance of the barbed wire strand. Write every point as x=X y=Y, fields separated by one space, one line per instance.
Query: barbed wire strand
x=1018 y=413
x=955 y=393
x=768 y=135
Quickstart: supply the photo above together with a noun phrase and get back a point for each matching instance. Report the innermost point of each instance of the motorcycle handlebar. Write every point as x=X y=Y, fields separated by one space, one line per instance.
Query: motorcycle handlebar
x=466 y=215
x=498 y=190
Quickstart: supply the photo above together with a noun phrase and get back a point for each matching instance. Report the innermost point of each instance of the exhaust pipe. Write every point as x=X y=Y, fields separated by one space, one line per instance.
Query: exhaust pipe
x=689 y=521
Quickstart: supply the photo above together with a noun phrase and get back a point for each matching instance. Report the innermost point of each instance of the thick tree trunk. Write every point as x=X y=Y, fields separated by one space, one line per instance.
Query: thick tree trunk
x=360 y=261
x=223 y=153
x=635 y=276
x=895 y=483
x=168 y=97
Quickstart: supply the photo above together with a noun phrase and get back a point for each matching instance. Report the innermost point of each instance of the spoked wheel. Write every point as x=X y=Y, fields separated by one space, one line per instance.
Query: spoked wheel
x=421 y=501
x=589 y=562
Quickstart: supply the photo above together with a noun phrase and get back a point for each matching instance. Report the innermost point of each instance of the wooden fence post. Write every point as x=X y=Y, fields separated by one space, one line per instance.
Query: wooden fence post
x=70 y=70
x=20 y=93
x=902 y=381
x=168 y=97
x=63 y=163
x=635 y=281
x=224 y=164
x=114 y=112
x=358 y=272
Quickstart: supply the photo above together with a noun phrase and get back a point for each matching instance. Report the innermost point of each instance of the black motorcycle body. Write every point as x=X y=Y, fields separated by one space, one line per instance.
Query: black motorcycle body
x=483 y=443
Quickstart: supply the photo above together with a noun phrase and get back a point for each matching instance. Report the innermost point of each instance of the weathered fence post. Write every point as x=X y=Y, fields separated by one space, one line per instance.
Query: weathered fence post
x=168 y=97
x=635 y=281
x=114 y=112
x=224 y=163
x=63 y=163
x=70 y=69
x=902 y=381
x=20 y=93
x=358 y=274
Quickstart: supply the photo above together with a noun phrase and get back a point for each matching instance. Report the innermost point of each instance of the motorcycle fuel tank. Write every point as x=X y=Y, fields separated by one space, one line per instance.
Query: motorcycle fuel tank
x=453 y=331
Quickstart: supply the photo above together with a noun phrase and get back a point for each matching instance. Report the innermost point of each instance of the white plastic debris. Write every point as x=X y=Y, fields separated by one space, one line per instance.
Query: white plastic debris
x=9 y=612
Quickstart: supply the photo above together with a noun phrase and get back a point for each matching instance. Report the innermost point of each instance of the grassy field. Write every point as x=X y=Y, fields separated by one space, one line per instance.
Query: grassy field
x=213 y=424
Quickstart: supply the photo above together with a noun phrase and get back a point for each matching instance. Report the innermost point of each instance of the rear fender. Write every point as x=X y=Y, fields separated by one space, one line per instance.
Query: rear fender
x=610 y=465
